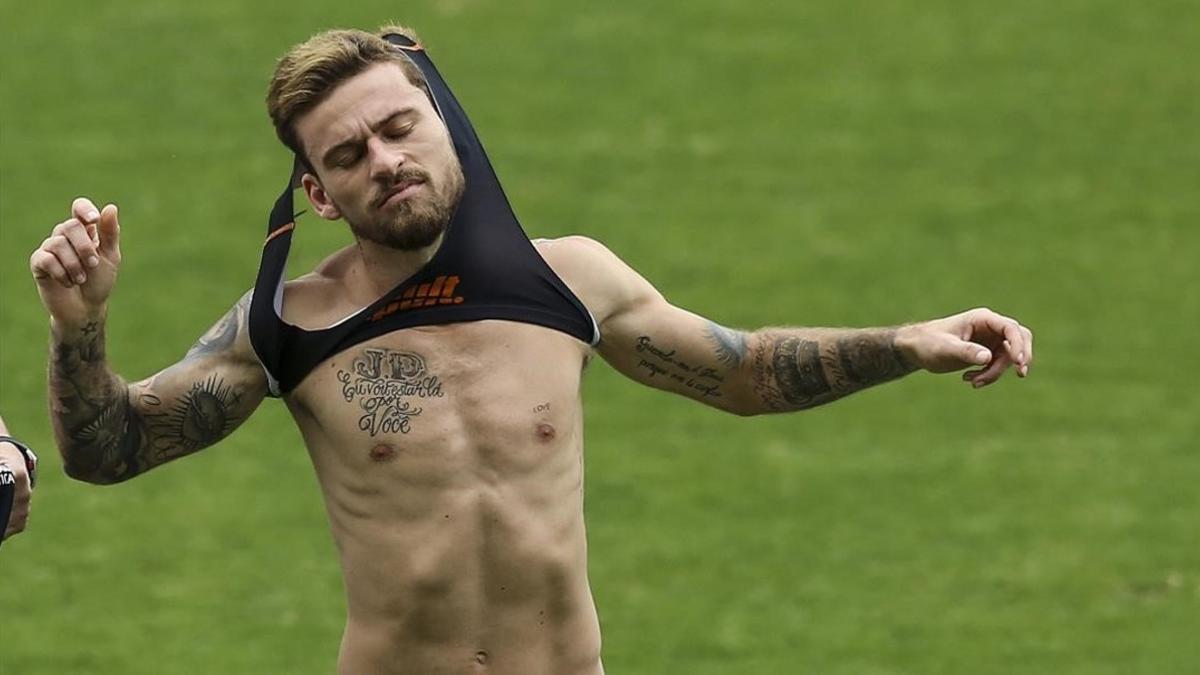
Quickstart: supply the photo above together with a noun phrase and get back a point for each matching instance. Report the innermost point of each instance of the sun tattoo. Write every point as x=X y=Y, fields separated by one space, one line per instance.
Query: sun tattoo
x=200 y=417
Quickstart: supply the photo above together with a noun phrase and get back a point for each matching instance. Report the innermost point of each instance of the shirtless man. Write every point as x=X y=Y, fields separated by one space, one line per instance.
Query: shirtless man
x=450 y=455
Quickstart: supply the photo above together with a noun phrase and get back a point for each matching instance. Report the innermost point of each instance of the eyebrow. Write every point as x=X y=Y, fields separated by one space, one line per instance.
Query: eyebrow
x=349 y=143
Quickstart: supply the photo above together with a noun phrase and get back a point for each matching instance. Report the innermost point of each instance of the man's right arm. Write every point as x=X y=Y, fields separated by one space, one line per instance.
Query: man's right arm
x=107 y=430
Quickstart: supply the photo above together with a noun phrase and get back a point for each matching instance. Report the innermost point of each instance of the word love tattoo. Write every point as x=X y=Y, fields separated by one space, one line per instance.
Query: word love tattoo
x=384 y=383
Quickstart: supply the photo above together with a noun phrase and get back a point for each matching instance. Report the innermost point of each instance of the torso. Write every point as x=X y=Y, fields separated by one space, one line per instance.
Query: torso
x=451 y=462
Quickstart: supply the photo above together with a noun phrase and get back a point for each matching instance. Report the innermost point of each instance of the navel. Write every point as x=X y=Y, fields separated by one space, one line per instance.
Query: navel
x=382 y=452
x=481 y=657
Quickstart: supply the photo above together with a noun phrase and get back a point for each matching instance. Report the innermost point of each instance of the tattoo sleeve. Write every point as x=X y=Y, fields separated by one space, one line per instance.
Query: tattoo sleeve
x=799 y=369
x=109 y=431
x=730 y=344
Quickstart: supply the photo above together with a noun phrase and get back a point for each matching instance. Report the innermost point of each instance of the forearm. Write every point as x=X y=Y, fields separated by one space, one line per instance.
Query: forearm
x=98 y=431
x=799 y=368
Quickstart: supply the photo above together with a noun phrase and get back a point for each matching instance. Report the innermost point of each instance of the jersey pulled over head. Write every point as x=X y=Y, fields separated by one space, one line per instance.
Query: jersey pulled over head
x=485 y=267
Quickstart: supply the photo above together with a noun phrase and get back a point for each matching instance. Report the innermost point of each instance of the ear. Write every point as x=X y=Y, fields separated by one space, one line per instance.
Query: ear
x=319 y=199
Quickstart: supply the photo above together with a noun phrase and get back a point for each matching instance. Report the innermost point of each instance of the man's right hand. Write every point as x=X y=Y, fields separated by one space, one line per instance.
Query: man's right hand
x=76 y=266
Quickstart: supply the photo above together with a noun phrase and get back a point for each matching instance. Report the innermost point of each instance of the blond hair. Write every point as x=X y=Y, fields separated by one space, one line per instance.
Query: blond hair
x=311 y=70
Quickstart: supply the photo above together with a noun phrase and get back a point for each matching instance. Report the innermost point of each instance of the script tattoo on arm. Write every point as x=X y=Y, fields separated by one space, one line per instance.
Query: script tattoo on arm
x=696 y=378
x=109 y=431
x=803 y=369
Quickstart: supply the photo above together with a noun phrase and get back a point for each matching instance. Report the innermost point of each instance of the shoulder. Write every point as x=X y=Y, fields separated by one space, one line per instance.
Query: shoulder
x=317 y=299
x=576 y=254
x=229 y=337
x=601 y=280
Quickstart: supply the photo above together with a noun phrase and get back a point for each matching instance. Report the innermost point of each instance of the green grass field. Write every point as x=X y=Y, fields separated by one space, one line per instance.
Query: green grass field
x=816 y=163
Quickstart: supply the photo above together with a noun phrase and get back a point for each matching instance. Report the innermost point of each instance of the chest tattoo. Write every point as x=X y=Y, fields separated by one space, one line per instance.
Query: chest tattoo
x=386 y=385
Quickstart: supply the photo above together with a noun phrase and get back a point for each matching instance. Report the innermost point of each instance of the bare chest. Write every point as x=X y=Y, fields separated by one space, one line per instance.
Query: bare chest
x=434 y=401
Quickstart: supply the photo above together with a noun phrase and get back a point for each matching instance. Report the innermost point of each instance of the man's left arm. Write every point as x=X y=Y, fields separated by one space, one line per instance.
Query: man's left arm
x=783 y=369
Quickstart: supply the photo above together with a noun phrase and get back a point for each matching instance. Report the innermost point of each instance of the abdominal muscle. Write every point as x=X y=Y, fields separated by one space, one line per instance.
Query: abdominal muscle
x=456 y=502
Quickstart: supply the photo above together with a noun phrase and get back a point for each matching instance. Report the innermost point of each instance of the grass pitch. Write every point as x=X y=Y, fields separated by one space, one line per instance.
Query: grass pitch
x=820 y=163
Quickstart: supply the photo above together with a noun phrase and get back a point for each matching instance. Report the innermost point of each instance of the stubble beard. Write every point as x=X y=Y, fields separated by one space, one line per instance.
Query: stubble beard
x=418 y=221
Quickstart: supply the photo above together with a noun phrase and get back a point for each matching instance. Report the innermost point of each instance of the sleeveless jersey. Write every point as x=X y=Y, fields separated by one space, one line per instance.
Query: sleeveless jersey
x=485 y=267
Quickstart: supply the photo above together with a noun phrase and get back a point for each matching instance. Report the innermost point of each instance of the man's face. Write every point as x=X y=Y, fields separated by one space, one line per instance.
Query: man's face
x=384 y=160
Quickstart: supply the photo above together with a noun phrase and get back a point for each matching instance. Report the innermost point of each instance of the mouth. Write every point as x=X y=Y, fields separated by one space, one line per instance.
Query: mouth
x=399 y=192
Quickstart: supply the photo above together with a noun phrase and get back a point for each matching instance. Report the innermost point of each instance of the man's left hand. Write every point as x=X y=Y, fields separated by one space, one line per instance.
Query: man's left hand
x=981 y=340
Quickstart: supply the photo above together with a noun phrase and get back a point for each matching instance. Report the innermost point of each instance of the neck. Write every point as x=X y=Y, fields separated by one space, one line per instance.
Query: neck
x=378 y=269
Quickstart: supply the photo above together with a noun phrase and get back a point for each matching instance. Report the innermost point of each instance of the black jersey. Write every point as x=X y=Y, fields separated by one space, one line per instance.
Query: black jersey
x=485 y=268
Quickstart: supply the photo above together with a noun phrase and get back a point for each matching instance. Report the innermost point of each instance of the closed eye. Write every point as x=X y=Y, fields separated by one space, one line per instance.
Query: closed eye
x=392 y=128
x=398 y=132
x=345 y=158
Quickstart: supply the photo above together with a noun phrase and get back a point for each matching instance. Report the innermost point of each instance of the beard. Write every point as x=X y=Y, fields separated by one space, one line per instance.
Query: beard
x=416 y=222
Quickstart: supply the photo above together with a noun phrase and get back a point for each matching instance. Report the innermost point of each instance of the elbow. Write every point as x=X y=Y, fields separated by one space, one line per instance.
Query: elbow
x=92 y=476
x=746 y=412
x=749 y=411
x=742 y=407
x=751 y=404
x=96 y=465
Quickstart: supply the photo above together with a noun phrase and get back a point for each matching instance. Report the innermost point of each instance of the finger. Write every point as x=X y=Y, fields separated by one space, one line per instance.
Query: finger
x=971 y=353
x=61 y=247
x=45 y=266
x=84 y=210
x=993 y=372
x=1011 y=331
x=109 y=231
x=81 y=241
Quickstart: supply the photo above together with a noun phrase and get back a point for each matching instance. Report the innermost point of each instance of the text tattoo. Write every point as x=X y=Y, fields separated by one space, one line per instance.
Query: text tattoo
x=385 y=384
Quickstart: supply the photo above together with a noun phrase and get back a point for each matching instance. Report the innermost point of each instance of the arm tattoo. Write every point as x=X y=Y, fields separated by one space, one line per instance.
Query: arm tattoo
x=199 y=418
x=109 y=431
x=810 y=368
x=799 y=372
x=764 y=379
x=872 y=358
x=221 y=336
x=730 y=344
x=665 y=364
x=99 y=431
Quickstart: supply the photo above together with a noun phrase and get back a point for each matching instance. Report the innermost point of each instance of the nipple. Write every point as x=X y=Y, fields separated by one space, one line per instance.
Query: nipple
x=382 y=452
x=545 y=432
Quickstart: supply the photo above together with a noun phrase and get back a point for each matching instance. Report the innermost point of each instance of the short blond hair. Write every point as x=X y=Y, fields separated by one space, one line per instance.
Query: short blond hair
x=311 y=70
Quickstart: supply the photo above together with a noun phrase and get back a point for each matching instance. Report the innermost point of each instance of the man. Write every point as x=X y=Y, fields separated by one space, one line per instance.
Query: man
x=434 y=369
x=18 y=474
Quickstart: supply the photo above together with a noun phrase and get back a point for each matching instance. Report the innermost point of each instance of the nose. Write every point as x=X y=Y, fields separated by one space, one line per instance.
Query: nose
x=385 y=159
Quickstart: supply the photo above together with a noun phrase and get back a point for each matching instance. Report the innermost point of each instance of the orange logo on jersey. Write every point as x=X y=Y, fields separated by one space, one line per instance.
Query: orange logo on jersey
x=440 y=291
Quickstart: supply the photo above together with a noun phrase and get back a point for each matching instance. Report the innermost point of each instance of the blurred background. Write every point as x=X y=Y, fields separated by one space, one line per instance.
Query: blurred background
x=774 y=163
